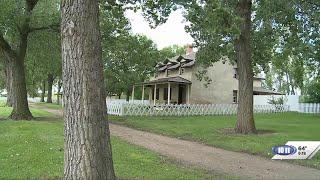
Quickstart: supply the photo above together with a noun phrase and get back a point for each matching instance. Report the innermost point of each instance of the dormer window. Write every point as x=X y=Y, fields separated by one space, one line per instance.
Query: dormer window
x=181 y=71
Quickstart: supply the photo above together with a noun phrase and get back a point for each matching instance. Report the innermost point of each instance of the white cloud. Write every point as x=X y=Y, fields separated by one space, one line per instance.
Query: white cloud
x=170 y=33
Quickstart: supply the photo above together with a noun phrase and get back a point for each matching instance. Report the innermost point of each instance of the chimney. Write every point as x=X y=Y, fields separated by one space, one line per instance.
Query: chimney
x=189 y=49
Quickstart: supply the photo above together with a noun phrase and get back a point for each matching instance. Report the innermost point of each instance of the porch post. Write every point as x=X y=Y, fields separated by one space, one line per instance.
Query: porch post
x=188 y=94
x=142 y=92
x=154 y=94
x=169 y=89
x=132 y=93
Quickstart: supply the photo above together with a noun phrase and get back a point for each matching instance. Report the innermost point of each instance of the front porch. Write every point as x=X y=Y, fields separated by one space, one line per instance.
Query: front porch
x=172 y=90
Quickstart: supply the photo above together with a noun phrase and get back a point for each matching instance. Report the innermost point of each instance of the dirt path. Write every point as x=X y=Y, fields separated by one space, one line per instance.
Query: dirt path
x=210 y=158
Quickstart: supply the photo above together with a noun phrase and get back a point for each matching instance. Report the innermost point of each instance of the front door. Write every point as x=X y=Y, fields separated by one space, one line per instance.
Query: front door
x=182 y=97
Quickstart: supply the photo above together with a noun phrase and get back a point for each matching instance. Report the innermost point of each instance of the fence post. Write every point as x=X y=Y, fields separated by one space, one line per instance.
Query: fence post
x=121 y=109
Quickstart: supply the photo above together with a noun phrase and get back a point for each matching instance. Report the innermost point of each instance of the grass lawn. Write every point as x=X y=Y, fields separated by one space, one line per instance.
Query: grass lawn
x=214 y=130
x=34 y=149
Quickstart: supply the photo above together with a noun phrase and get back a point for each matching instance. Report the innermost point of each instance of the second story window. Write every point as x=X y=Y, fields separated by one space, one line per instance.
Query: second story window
x=235 y=72
x=167 y=73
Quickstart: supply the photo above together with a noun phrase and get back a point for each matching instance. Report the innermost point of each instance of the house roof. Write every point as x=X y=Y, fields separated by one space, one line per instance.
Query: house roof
x=177 y=61
x=188 y=64
x=258 y=78
x=190 y=56
x=176 y=79
x=264 y=91
x=174 y=66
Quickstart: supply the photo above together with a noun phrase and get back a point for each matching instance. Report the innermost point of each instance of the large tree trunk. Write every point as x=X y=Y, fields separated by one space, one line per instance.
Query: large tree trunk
x=88 y=152
x=245 y=122
x=19 y=91
x=43 y=93
x=9 y=80
x=50 y=83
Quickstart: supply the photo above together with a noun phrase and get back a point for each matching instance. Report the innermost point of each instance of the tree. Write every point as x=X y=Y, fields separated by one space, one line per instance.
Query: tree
x=43 y=62
x=129 y=60
x=313 y=91
x=88 y=152
x=171 y=51
x=18 y=20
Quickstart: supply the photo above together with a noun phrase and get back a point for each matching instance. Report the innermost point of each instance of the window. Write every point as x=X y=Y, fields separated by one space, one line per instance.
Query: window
x=181 y=71
x=235 y=96
x=156 y=74
x=157 y=94
x=152 y=94
x=167 y=73
x=165 y=93
x=235 y=72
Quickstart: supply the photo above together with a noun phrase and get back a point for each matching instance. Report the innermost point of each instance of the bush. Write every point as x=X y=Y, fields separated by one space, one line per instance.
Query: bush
x=313 y=92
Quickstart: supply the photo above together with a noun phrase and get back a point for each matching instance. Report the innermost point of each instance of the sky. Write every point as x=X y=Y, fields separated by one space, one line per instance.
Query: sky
x=170 y=33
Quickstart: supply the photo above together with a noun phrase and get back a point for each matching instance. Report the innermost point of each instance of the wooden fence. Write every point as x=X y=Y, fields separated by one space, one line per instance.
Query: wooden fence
x=309 y=108
x=186 y=110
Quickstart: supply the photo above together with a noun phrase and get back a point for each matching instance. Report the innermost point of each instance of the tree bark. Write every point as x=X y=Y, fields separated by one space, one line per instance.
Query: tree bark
x=50 y=83
x=88 y=152
x=245 y=121
x=43 y=93
x=19 y=92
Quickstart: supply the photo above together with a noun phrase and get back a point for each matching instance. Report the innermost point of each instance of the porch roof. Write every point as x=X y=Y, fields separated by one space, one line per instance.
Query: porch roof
x=176 y=79
x=263 y=91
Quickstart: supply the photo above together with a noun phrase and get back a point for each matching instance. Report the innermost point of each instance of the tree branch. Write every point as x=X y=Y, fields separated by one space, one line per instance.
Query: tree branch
x=4 y=45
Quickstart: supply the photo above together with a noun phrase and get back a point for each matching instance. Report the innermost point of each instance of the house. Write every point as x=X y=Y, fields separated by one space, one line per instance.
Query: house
x=176 y=82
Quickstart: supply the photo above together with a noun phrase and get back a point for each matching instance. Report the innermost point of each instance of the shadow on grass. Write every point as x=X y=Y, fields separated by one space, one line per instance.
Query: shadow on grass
x=38 y=119
x=231 y=131
x=3 y=118
x=47 y=119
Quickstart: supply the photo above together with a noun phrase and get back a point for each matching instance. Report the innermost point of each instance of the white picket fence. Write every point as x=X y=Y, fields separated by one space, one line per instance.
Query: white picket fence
x=130 y=109
x=313 y=108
